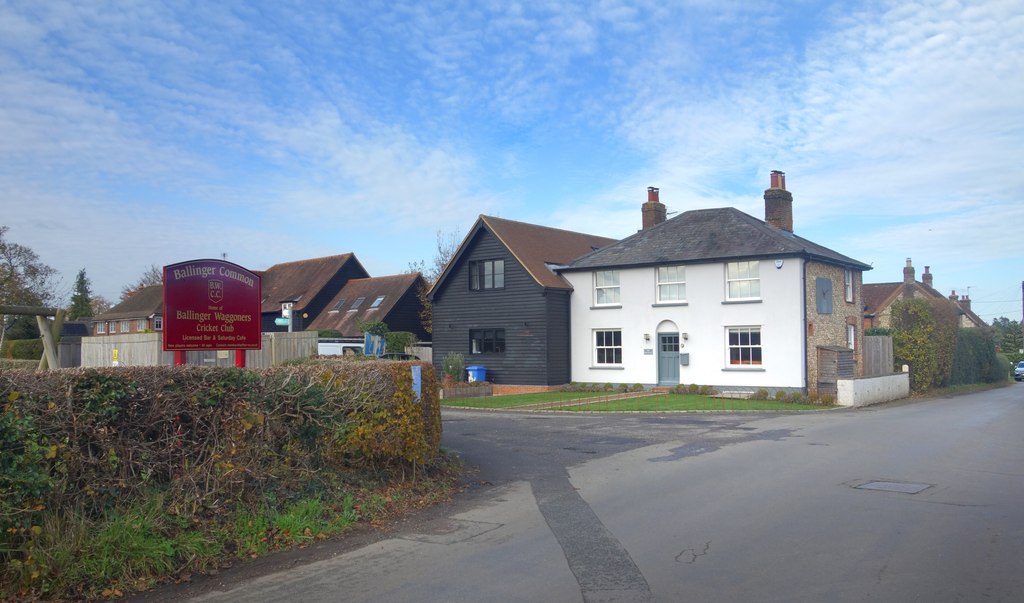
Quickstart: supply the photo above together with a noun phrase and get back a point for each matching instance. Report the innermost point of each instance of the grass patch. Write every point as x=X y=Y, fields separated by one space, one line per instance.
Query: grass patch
x=514 y=400
x=73 y=555
x=578 y=401
x=681 y=402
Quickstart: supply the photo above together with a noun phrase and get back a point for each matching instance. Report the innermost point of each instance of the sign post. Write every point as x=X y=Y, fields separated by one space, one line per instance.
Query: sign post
x=211 y=305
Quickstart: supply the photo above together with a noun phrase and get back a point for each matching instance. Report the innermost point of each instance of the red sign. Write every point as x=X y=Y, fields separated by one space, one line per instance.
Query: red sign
x=211 y=305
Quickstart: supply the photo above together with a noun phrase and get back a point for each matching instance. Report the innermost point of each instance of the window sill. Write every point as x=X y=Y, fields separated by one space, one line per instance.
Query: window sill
x=735 y=369
x=608 y=368
x=741 y=301
x=607 y=307
x=669 y=304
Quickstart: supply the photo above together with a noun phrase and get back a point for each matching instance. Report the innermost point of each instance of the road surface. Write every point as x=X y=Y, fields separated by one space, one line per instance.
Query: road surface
x=919 y=501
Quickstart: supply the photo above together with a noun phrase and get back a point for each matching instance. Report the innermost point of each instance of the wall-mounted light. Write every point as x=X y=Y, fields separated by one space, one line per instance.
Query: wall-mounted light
x=686 y=335
x=647 y=336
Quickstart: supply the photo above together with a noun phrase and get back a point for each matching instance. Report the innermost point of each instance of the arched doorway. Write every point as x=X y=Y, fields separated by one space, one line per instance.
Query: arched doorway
x=668 y=353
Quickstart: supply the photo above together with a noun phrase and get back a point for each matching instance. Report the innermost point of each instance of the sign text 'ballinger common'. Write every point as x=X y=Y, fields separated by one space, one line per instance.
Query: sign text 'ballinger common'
x=211 y=305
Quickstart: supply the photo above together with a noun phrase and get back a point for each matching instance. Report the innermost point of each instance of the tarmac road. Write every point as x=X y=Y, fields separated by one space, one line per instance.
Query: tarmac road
x=920 y=501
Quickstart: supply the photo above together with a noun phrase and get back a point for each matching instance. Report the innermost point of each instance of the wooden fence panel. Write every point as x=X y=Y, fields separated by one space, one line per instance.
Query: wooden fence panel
x=146 y=349
x=878 y=355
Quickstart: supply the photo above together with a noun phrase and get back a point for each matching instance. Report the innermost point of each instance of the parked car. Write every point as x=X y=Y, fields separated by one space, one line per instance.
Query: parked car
x=399 y=356
x=1018 y=372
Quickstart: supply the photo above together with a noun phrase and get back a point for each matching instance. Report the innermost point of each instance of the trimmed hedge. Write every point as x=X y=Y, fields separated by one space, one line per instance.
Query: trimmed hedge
x=23 y=349
x=975 y=359
x=205 y=439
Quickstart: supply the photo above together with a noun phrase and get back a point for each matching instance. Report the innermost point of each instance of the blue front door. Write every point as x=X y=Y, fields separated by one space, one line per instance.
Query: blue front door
x=668 y=358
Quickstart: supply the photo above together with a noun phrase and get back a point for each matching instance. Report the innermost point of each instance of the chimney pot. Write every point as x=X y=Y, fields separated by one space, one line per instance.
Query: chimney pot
x=778 y=179
x=653 y=211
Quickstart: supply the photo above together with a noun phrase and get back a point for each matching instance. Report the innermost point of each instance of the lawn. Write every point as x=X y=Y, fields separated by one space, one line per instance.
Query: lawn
x=682 y=402
x=600 y=402
x=513 y=401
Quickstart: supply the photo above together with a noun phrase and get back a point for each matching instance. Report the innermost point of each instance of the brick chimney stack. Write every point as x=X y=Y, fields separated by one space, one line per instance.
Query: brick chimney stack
x=927 y=278
x=953 y=297
x=908 y=273
x=654 y=210
x=965 y=302
x=908 y=280
x=778 y=203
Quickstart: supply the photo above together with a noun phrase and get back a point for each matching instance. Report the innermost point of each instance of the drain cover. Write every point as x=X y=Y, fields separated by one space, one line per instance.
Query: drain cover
x=902 y=487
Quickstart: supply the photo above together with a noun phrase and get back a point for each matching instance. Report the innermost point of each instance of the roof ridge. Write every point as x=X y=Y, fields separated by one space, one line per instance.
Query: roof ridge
x=323 y=257
x=575 y=232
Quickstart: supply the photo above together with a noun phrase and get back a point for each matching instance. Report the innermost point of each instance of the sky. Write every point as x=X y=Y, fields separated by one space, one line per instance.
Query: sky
x=148 y=133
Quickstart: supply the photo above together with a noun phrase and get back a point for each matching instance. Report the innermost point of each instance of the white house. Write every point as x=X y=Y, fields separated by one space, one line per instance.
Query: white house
x=717 y=297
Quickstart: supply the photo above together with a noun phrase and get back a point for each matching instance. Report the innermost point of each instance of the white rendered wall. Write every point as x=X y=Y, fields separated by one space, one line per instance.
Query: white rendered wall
x=704 y=318
x=872 y=390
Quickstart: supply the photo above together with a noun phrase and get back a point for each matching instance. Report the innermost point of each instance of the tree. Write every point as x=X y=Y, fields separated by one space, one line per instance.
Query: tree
x=1008 y=334
x=447 y=245
x=24 y=281
x=99 y=304
x=924 y=337
x=81 y=299
x=152 y=276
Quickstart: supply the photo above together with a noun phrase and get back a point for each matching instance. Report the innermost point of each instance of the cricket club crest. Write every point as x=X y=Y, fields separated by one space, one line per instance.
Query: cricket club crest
x=216 y=291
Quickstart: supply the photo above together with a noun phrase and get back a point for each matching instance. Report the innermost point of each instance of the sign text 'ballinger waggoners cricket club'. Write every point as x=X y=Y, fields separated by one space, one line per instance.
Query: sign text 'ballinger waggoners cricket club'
x=211 y=305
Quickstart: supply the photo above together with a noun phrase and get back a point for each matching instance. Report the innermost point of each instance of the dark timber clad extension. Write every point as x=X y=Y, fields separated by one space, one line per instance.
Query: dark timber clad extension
x=531 y=309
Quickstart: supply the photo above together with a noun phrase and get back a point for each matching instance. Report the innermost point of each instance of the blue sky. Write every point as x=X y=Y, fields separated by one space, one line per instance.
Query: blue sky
x=140 y=133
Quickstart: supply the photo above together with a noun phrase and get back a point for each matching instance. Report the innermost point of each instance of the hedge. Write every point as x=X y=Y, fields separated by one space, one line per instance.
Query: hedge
x=975 y=359
x=23 y=349
x=206 y=440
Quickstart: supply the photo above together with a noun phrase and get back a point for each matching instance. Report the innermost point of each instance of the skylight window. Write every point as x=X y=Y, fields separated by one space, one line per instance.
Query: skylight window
x=356 y=304
x=338 y=306
x=378 y=301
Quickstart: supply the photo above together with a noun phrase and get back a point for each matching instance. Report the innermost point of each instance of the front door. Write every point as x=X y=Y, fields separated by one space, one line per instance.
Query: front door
x=668 y=358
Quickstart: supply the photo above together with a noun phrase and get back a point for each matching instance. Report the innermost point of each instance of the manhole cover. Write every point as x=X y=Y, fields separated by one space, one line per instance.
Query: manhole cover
x=902 y=487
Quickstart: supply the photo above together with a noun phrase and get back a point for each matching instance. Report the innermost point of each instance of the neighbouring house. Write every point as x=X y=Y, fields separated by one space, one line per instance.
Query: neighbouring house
x=879 y=297
x=499 y=303
x=717 y=297
x=305 y=287
x=392 y=300
x=140 y=313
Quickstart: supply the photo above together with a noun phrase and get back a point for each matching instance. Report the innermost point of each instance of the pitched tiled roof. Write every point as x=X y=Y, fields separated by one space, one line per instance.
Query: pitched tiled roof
x=147 y=301
x=709 y=235
x=342 y=318
x=877 y=296
x=977 y=320
x=300 y=280
x=533 y=247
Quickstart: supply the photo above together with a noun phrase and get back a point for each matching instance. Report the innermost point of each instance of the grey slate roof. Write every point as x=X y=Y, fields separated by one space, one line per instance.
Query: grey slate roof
x=708 y=235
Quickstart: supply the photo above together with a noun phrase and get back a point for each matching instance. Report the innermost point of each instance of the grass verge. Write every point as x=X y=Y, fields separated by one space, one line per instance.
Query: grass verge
x=73 y=556
x=613 y=402
x=514 y=400
x=686 y=402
